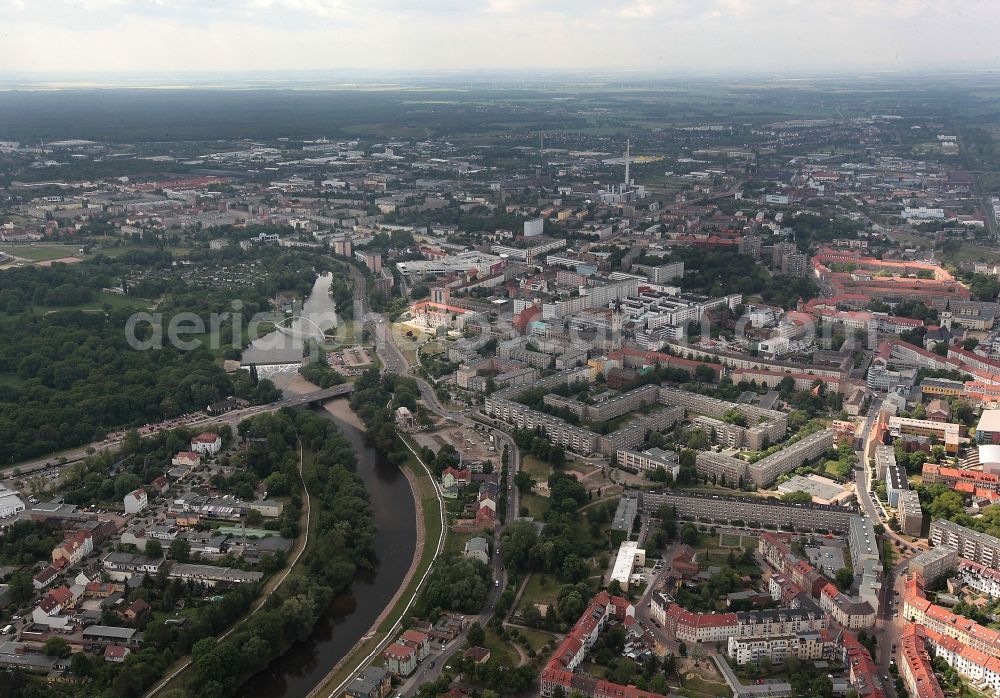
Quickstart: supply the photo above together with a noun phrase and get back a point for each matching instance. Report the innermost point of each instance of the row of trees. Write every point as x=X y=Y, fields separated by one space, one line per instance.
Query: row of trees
x=375 y=399
x=343 y=544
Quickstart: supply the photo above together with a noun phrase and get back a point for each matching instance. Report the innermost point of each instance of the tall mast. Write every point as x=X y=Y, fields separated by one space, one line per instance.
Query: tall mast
x=628 y=150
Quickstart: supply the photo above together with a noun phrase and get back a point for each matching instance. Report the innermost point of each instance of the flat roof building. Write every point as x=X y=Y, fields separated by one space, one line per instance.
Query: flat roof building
x=629 y=555
x=933 y=564
x=822 y=490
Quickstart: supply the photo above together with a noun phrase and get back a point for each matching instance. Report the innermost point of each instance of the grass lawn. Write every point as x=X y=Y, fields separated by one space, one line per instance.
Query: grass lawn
x=729 y=540
x=535 y=504
x=40 y=253
x=500 y=650
x=537 y=469
x=113 y=299
x=724 y=541
x=455 y=543
x=540 y=589
x=536 y=638
x=119 y=251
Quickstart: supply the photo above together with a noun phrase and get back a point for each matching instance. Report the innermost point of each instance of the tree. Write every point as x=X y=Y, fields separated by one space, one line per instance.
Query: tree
x=477 y=636
x=844 y=578
x=524 y=482
x=690 y=535
x=154 y=548
x=822 y=687
x=180 y=550
x=80 y=664
x=797 y=497
x=704 y=374
x=56 y=647
x=20 y=587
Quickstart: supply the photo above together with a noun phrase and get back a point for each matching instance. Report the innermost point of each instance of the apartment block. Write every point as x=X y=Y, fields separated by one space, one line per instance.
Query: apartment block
x=767 y=470
x=909 y=513
x=650 y=459
x=722 y=468
x=933 y=564
x=806 y=645
x=970 y=544
x=770 y=513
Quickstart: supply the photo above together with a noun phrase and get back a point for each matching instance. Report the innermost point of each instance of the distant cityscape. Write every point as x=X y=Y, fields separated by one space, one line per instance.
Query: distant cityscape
x=566 y=397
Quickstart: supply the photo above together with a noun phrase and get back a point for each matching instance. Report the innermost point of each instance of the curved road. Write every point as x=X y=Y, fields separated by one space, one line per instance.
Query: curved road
x=393 y=361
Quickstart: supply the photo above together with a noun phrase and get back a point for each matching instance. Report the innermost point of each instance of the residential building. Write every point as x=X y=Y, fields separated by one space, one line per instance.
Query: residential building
x=970 y=544
x=933 y=474
x=650 y=459
x=136 y=501
x=207 y=444
x=915 y=665
x=985 y=580
x=186 y=459
x=74 y=549
x=400 y=659
x=909 y=513
x=373 y=682
x=853 y=614
x=934 y=564
x=478 y=549
x=752 y=511
x=806 y=645
x=560 y=670
x=918 y=609
x=977 y=667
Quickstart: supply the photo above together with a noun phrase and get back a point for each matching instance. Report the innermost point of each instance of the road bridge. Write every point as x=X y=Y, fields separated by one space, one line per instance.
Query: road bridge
x=317 y=397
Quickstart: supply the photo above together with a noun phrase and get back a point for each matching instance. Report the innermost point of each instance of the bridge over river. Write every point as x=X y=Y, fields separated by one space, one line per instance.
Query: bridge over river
x=316 y=397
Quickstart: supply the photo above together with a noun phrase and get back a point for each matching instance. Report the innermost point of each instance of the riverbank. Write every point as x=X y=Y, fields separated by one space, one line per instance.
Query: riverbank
x=431 y=522
x=351 y=614
x=430 y=531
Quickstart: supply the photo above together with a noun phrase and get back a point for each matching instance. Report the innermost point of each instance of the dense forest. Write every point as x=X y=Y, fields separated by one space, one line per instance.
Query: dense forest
x=74 y=377
x=70 y=375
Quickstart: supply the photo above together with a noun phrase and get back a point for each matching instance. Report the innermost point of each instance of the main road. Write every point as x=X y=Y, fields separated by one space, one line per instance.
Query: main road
x=889 y=627
x=393 y=361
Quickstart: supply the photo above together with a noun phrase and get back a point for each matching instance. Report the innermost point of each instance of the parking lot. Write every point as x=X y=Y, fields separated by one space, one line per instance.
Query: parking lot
x=826 y=558
x=472 y=444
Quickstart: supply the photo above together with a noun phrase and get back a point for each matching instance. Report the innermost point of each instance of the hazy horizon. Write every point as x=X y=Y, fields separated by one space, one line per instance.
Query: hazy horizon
x=671 y=38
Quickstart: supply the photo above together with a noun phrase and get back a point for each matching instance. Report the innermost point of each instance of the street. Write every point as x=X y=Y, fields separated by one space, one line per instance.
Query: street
x=393 y=361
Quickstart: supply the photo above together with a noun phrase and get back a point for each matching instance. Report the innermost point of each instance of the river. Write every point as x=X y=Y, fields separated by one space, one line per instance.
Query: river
x=352 y=613
x=318 y=314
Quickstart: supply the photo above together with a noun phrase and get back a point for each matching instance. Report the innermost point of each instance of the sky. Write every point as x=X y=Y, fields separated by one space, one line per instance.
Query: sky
x=74 y=38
